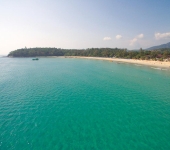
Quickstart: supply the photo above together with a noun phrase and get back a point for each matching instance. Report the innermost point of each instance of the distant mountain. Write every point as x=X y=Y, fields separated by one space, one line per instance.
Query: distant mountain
x=159 y=46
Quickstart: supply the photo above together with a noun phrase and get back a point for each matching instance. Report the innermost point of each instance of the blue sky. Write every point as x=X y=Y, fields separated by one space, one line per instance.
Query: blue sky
x=83 y=23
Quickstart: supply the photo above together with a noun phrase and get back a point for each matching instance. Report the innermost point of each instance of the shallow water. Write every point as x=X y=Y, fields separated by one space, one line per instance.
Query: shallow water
x=59 y=103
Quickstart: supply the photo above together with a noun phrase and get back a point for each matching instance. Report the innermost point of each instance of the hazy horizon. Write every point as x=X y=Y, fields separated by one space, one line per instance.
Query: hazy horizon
x=83 y=24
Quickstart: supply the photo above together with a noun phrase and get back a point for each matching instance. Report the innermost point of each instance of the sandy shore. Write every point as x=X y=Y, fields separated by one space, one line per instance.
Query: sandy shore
x=156 y=64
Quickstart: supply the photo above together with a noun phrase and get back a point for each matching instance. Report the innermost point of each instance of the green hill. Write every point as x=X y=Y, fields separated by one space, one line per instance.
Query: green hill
x=167 y=45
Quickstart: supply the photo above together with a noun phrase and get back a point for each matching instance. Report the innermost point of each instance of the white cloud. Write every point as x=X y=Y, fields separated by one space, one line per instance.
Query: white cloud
x=140 y=36
x=107 y=38
x=118 y=37
x=133 y=41
x=162 y=35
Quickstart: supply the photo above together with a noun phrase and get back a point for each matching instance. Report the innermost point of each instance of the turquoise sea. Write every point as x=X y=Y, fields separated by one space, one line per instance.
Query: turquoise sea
x=80 y=104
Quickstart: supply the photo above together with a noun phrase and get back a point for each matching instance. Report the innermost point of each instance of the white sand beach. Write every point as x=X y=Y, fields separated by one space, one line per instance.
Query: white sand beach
x=159 y=64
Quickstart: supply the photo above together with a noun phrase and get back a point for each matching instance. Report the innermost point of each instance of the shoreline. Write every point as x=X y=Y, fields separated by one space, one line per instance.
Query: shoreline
x=160 y=65
x=151 y=63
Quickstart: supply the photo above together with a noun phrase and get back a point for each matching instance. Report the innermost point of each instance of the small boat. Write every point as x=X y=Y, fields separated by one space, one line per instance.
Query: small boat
x=35 y=59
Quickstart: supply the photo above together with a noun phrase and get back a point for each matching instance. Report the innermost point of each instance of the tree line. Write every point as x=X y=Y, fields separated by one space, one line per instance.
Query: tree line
x=159 y=54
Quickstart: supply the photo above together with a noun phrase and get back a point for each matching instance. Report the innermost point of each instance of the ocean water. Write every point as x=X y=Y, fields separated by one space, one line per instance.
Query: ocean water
x=80 y=104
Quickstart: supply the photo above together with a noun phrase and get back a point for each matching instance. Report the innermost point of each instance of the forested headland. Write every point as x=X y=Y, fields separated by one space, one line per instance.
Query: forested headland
x=159 y=54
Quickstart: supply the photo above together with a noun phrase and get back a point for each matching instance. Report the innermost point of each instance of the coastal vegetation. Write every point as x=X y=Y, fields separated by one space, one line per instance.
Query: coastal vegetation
x=158 y=54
